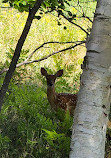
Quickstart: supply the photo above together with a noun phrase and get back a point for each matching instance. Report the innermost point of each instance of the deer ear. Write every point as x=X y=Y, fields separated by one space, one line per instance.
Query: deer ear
x=43 y=72
x=59 y=73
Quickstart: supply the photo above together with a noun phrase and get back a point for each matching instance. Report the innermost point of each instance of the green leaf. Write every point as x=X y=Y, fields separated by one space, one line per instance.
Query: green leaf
x=70 y=14
x=24 y=3
x=37 y=17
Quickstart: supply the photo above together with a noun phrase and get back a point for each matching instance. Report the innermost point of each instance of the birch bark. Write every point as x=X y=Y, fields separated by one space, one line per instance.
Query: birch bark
x=91 y=114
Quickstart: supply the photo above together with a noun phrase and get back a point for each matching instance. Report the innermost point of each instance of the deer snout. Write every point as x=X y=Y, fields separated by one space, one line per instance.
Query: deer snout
x=50 y=83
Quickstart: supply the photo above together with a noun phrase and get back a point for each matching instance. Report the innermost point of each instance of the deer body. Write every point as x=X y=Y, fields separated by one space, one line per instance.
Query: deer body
x=58 y=100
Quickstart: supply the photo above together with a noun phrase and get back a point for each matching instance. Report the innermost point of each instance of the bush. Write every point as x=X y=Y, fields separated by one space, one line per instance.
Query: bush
x=28 y=127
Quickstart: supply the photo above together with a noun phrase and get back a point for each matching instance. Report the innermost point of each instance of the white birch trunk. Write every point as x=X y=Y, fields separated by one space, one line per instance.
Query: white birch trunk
x=91 y=114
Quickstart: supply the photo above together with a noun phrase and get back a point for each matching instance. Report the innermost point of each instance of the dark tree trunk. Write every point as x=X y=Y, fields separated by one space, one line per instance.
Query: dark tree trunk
x=18 y=48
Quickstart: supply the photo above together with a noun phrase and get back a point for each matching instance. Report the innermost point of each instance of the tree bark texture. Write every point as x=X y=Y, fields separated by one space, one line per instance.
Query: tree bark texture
x=91 y=114
x=18 y=48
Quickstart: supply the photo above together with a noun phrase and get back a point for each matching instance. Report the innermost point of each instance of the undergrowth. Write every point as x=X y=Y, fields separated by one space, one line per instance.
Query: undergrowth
x=29 y=128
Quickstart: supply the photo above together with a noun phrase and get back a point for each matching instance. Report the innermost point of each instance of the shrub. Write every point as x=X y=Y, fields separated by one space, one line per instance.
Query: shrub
x=29 y=128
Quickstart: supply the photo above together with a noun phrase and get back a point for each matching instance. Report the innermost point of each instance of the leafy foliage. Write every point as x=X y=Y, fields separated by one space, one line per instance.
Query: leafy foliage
x=18 y=74
x=108 y=144
x=70 y=10
x=24 y=5
x=108 y=140
x=29 y=128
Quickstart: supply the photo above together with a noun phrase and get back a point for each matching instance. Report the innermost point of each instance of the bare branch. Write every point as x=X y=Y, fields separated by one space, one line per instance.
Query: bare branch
x=44 y=58
x=89 y=19
x=75 y=24
x=5 y=7
x=83 y=14
x=55 y=42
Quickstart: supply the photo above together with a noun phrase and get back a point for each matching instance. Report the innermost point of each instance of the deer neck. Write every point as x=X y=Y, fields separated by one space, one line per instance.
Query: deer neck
x=51 y=95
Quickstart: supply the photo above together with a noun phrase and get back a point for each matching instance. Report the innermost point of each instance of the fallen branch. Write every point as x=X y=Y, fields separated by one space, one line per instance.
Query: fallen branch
x=46 y=57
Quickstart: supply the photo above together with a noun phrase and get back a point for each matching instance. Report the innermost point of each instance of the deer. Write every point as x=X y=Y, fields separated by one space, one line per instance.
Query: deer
x=65 y=101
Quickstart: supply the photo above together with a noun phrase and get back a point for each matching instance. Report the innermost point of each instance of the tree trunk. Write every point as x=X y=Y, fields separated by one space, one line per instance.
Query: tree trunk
x=20 y=43
x=91 y=114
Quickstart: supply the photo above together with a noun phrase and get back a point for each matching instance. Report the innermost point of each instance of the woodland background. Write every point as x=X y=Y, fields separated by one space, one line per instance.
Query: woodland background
x=28 y=127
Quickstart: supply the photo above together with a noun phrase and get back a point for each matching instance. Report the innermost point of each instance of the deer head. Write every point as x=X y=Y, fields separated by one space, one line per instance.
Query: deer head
x=51 y=78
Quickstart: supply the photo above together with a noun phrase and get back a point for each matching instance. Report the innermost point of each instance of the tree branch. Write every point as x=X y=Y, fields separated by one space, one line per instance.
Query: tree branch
x=55 y=42
x=75 y=24
x=83 y=14
x=46 y=57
